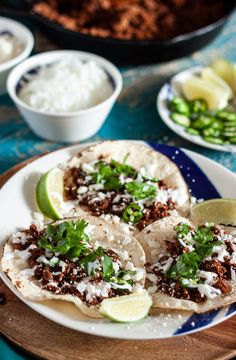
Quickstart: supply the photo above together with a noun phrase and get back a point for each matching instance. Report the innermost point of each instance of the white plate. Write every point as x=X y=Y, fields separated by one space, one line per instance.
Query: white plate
x=16 y=206
x=163 y=97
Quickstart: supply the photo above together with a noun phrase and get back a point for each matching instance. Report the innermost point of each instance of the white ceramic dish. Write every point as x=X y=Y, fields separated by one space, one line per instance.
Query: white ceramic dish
x=64 y=127
x=174 y=88
x=161 y=324
x=22 y=33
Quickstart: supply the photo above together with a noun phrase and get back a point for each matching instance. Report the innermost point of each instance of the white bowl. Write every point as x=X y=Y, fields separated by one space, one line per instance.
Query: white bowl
x=69 y=126
x=22 y=33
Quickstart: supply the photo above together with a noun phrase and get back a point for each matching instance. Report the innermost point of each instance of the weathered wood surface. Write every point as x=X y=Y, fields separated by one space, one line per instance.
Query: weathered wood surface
x=44 y=338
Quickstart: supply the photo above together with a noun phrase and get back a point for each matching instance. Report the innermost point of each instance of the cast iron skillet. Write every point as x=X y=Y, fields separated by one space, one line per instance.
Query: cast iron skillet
x=132 y=51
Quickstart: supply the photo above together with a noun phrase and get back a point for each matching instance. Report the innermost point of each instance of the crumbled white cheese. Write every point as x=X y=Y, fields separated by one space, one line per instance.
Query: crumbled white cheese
x=121 y=286
x=140 y=274
x=96 y=187
x=221 y=252
x=151 y=277
x=87 y=168
x=209 y=276
x=92 y=267
x=19 y=237
x=209 y=291
x=82 y=190
x=115 y=266
x=63 y=265
x=100 y=290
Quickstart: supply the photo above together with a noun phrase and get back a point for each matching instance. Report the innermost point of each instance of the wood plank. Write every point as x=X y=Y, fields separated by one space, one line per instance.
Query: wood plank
x=44 y=338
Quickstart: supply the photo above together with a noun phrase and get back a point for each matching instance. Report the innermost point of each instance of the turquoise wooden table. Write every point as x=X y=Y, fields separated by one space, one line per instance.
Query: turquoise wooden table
x=133 y=117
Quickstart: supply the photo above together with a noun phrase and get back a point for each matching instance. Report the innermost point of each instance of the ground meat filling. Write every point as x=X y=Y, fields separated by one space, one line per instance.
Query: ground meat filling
x=62 y=276
x=102 y=201
x=222 y=271
x=134 y=19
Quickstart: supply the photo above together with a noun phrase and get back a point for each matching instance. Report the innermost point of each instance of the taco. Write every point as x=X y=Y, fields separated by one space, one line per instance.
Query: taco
x=125 y=181
x=190 y=268
x=77 y=260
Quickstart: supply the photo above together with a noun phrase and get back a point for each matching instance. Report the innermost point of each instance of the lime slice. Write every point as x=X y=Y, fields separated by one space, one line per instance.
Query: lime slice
x=196 y=88
x=209 y=75
x=49 y=194
x=127 y=308
x=226 y=71
x=218 y=211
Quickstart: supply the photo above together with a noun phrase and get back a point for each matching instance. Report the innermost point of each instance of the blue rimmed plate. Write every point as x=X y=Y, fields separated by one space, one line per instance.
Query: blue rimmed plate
x=204 y=178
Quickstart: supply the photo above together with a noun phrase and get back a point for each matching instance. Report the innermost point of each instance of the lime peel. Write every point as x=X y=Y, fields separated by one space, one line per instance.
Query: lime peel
x=127 y=308
x=49 y=194
x=219 y=211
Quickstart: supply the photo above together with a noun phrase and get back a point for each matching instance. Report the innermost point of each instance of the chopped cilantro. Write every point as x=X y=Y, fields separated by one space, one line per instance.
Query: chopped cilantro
x=66 y=238
x=69 y=238
x=91 y=258
x=152 y=179
x=104 y=171
x=123 y=168
x=107 y=268
x=187 y=264
x=182 y=230
x=141 y=190
x=106 y=263
x=113 y=183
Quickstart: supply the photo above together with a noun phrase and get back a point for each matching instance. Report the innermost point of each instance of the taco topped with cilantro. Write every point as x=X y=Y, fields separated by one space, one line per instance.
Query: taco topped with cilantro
x=127 y=182
x=77 y=260
x=188 y=267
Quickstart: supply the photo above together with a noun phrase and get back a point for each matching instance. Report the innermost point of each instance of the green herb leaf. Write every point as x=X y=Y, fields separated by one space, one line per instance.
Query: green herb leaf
x=141 y=190
x=66 y=238
x=104 y=171
x=147 y=178
x=123 y=168
x=182 y=230
x=107 y=268
x=186 y=266
x=113 y=183
x=91 y=258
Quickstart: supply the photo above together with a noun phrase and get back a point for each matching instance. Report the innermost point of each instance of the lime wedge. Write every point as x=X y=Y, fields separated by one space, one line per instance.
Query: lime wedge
x=218 y=211
x=226 y=71
x=127 y=308
x=209 y=75
x=196 y=88
x=49 y=194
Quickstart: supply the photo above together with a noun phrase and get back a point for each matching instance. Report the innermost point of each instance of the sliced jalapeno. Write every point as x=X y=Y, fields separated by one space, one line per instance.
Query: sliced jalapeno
x=132 y=214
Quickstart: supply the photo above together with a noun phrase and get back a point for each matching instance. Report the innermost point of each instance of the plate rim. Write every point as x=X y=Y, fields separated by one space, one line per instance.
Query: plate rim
x=177 y=129
x=151 y=336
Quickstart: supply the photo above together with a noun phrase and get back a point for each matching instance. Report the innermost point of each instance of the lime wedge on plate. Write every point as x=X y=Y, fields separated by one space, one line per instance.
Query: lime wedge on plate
x=218 y=211
x=209 y=75
x=126 y=308
x=196 y=88
x=226 y=71
x=49 y=194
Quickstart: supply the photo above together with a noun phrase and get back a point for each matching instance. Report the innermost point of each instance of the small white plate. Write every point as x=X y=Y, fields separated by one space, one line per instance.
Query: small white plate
x=163 y=97
x=17 y=202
